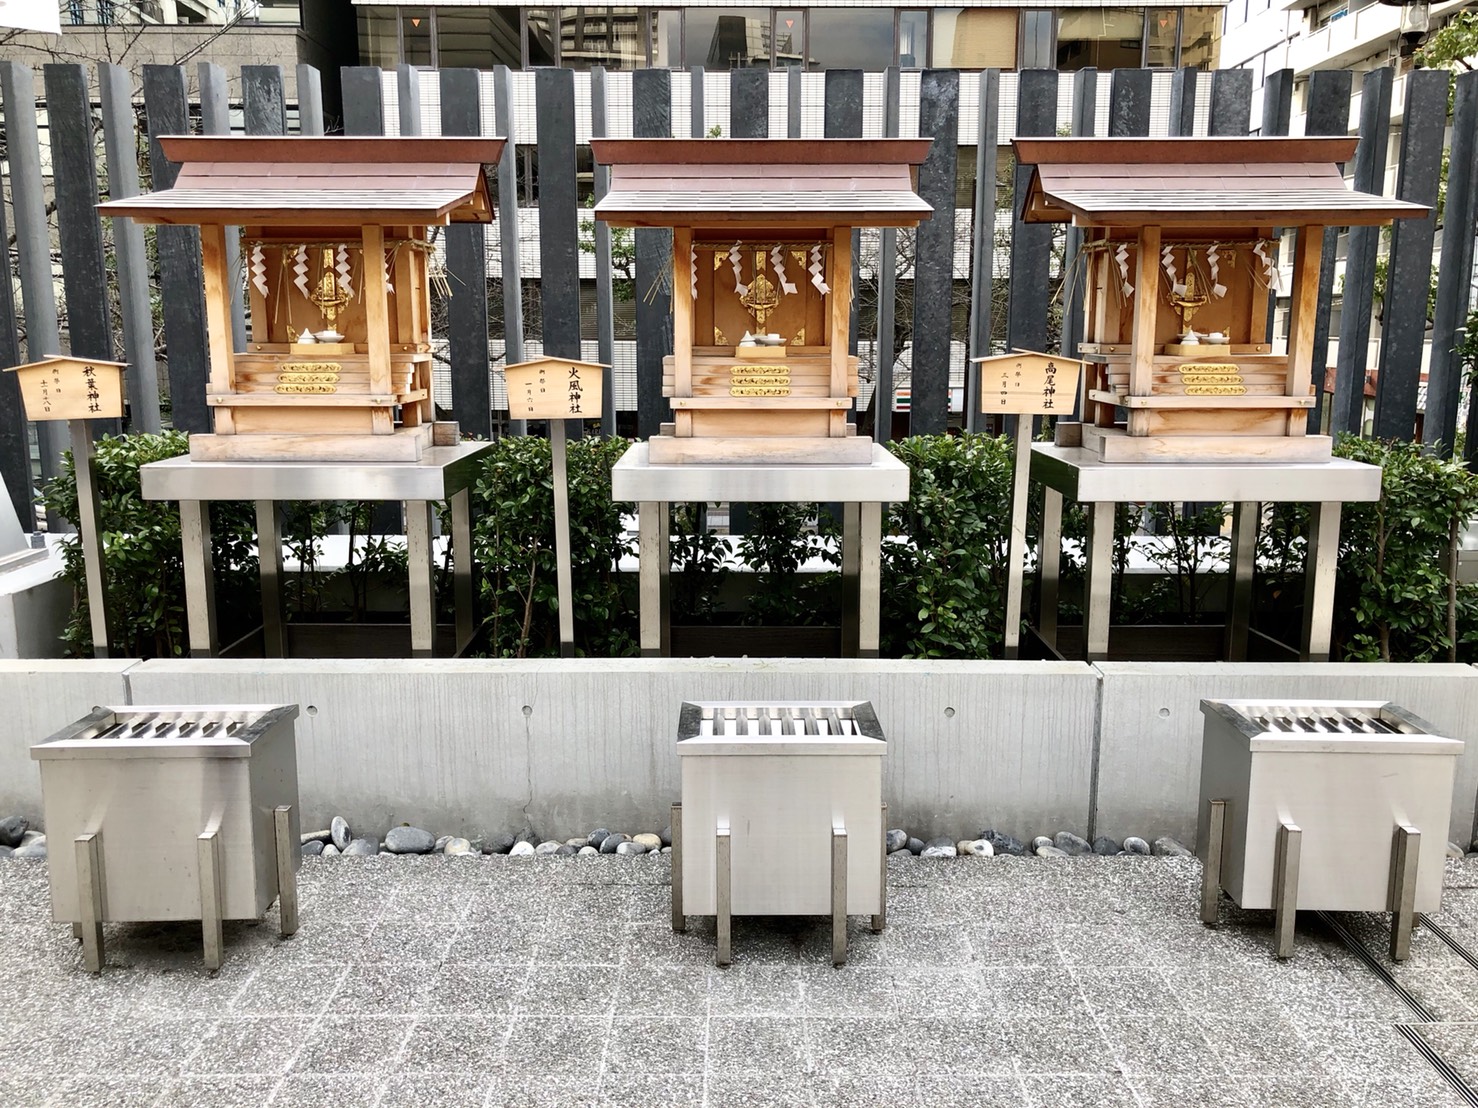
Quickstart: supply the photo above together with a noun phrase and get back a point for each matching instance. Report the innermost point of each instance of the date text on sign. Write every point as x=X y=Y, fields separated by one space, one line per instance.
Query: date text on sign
x=1026 y=383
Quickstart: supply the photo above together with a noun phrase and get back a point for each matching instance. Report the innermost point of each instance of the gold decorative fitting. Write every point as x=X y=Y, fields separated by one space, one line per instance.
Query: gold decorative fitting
x=327 y=294
x=800 y=337
x=718 y=338
x=762 y=296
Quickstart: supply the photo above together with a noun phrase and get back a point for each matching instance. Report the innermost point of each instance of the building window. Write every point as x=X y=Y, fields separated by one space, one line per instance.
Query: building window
x=975 y=38
x=1108 y=38
x=379 y=37
x=540 y=41
x=1038 y=40
x=726 y=38
x=913 y=39
x=1200 y=37
x=1161 y=37
x=667 y=39
x=789 y=37
x=851 y=38
x=416 y=38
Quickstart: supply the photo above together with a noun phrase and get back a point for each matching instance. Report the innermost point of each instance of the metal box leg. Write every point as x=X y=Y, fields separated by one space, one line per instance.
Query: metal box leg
x=722 y=875
x=1285 y=887
x=880 y=920
x=1404 y=854
x=90 y=901
x=287 y=875
x=838 y=895
x=208 y=848
x=1211 y=868
x=679 y=920
x=77 y=931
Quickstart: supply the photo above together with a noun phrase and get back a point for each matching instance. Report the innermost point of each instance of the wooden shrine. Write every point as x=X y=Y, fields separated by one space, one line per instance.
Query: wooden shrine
x=1178 y=260
x=338 y=273
x=761 y=283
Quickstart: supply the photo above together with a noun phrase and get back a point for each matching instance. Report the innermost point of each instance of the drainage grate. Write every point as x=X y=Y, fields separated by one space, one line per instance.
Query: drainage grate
x=1316 y=718
x=778 y=720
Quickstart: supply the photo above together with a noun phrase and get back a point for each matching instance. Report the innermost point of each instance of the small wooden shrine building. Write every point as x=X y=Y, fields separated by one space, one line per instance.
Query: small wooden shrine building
x=1178 y=259
x=338 y=273
x=762 y=246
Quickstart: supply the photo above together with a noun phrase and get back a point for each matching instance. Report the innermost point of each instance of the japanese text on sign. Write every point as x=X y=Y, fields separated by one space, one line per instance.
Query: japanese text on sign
x=1031 y=384
x=554 y=390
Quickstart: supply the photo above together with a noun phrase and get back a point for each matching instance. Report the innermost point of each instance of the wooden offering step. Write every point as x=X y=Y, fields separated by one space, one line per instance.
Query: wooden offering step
x=405 y=444
x=1124 y=400
x=1114 y=444
x=756 y=450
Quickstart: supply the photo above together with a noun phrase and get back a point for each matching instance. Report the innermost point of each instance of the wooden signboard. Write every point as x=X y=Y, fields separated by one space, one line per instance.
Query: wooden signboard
x=1027 y=383
x=71 y=388
x=555 y=388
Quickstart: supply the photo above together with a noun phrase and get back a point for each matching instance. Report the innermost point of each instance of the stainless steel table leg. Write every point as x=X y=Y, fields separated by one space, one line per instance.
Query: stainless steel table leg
x=1049 y=565
x=77 y=931
x=1098 y=587
x=200 y=584
x=85 y=469
x=1285 y=887
x=420 y=557
x=838 y=895
x=723 y=879
x=664 y=573
x=464 y=574
x=880 y=920
x=1016 y=542
x=208 y=851
x=1319 y=570
x=851 y=581
x=88 y=852
x=1404 y=854
x=870 y=580
x=679 y=919
x=649 y=585
x=1211 y=864
x=269 y=562
x=1239 y=588
x=287 y=870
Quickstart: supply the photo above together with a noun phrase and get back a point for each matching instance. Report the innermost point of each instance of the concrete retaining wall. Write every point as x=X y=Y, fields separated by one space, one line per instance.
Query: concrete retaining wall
x=480 y=746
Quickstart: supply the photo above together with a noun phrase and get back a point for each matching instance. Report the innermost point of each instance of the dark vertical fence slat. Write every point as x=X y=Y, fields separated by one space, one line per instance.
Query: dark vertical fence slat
x=882 y=403
x=697 y=121
x=364 y=109
x=843 y=119
x=983 y=241
x=605 y=313
x=1129 y=102
x=1454 y=286
x=33 y=243
x=181 y=281
x=1183 y=102
x=749 y=103
x=1328 y=114
x=651 y=117
x=15 y=439
x=1348 y=410
x=1277 y=102
x=1231 y=102
x=939 y=119
x=467 y=273
x=509 y=250
x=310 y=100
x=1031 y=243
x=79 y=229
x=264 y=103
x=215 y=119
x=559 y=242
x=120 y=143
x=408 y=98
x=793 y=95
x=1084 y=123
x=1409 y=271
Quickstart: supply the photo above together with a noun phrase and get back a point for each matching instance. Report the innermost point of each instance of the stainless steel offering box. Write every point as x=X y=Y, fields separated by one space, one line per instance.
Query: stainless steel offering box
x=1323 y=805
x=172 y=813
x=781 y=815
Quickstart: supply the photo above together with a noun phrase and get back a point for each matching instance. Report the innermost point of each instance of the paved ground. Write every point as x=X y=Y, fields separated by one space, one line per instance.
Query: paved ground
x=449 y=982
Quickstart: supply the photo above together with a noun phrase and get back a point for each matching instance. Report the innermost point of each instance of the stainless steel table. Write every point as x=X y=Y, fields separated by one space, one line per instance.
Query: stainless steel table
x=862 y=490
x=443 y=473
x=1074 y=472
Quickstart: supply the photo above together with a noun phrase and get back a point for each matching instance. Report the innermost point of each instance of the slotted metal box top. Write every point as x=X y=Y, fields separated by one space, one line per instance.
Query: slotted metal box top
x=166 y=731
x=1329 y=727
x=779 y=727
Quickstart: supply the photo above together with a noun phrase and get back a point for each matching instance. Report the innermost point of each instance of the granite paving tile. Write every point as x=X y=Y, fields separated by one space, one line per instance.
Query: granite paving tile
x=859 y=1045
x=758 y=1090
x=249 y=1045
x=1291 y=1092
x=1033 y=992
x=474 y=989
x=455 y=1044
x=956 y=1046
x=435 y=1090
x=1057 y=1046
x=849 y=990
x=655 y=1046
x=1119 y=991
x=357 y=1044
x=1078 y=1092
x=217 y=1092
x=672 y=1090
x=1160 y=1090
x=1270 y=1046
x=970 y=1091
x=316 y=1090
x=941 y=990
x=1457 y=1043
x=384 y=988
x=662 y=990
x=99 y=1091
x=766 y=1044
x=1360 y=1049
x=1163 y=1045
x=568 y=990
x=754 y=990
x=553 y=1046
x=865 y=1090
x=277 y=989
x=1417 y=1089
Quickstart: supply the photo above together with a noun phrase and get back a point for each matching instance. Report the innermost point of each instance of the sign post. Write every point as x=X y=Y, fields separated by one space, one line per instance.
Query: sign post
x=76 y=390
x=558 y=389
x=1023 y=384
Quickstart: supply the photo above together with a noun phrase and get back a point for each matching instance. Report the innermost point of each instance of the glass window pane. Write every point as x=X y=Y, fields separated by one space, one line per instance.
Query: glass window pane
x=913 y=39
x=727 y=38
x=415 y=35
x=1164 y=29
x=1037 y=49
x=851 y=38
x=477 y=38
x=667 y=29
x=790 y=37
x=1109 y=38
x=611 y=37
x=541 y=40
x=1200 y=37
x=975 y=38
x=377 y=37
